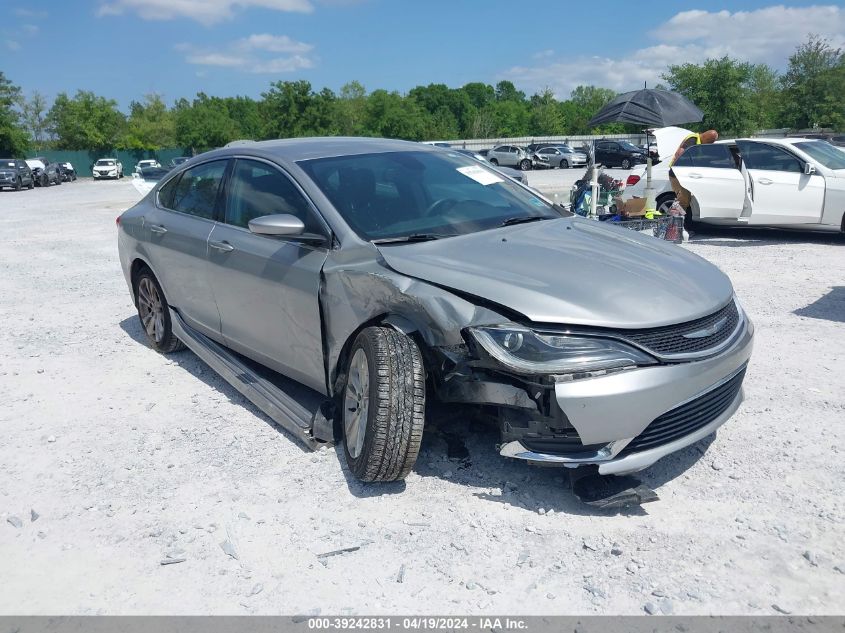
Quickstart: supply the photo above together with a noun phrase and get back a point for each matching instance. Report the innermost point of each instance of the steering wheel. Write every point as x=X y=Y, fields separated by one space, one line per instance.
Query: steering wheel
x=442 y=205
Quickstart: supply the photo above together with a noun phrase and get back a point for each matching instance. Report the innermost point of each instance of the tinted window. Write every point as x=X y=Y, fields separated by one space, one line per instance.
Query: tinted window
x=196 y=191
x=684 y=160
x=165 y=194
x=761 y=156
x=257 y=189
x=825 y=153
x=395 y=194
x=708 y=156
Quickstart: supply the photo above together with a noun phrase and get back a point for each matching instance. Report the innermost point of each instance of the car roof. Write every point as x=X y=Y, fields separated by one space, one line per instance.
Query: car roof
x=294 y=149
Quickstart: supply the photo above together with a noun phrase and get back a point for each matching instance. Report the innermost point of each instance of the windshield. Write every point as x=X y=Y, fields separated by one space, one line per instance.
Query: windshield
x=398 y=194
x=824 y=153
x=105 y=163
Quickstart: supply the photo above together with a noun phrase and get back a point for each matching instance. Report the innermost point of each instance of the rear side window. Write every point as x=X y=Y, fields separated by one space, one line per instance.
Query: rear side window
x=165 y=194
x=197 y=189
x=762 y=156
x=256 y=189
x=718 y=156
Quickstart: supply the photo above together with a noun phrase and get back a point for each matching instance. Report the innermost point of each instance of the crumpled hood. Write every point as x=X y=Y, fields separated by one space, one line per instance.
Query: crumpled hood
x=571 y=271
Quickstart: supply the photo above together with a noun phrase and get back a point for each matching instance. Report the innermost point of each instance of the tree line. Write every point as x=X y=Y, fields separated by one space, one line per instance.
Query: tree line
x=736 y=97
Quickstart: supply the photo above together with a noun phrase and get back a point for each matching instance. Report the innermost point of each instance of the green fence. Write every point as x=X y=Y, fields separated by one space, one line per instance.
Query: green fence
x=83 y=160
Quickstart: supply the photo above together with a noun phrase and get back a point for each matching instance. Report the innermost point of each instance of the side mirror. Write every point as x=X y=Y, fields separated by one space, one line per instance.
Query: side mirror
x=809 y=169
x=278 y=224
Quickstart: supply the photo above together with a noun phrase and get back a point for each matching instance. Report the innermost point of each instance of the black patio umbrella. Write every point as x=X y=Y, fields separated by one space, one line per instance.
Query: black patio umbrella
x=651 y=107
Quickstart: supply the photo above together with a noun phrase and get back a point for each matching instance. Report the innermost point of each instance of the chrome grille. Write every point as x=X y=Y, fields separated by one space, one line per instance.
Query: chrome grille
x=688 y=417
x=670 y=340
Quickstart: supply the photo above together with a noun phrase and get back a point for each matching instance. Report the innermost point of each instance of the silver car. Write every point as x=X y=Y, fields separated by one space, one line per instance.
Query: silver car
x=511 y=156
x=562 y=156
x=363 y=281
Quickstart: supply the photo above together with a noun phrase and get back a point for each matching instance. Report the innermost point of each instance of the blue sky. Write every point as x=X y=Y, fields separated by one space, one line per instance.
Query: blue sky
x=124 y=49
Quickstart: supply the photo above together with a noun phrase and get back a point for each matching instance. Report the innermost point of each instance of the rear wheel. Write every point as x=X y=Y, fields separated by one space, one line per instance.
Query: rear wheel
x=383 y=406
x=493 y=161
x=626 y=163
x=664 y=202
x=155 y=314
x=564 y=164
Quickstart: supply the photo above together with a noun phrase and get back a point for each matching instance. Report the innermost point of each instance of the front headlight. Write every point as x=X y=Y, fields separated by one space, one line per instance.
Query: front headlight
x=524 y=350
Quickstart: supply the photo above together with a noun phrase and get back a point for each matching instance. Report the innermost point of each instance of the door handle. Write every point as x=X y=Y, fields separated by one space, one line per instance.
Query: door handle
x=694 y=175
x=158 y=228
x=223 y=247
x=764 y=181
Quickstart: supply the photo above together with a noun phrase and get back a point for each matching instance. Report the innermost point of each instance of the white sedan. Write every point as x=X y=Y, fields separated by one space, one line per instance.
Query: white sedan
x=790 y=183
x=141 y=164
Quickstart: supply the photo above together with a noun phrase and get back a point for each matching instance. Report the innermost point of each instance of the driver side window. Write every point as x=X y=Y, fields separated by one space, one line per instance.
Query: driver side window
x=761 y=156
x=256 y=189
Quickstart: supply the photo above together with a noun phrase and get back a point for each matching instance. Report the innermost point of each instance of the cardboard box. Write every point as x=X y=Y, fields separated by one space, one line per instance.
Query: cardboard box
x=634 y=208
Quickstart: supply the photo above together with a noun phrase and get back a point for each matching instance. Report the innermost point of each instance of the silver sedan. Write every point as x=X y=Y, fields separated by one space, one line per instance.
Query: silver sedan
x=351 y=284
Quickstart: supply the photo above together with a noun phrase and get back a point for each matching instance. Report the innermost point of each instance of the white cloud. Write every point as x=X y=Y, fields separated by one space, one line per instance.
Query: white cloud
x=12 y=45
x=768 y=35
x=273 y=44
x=203 y=11
x=30 y=29
x=250 y=55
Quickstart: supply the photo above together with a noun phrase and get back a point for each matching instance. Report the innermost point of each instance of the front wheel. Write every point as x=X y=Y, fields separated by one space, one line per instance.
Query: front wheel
x=626 y=164
x=31 y=184
x=383 y=405
x=564 y=164
x=18 y=184
x=525 y=164
x=494 y=162
x=155 y=314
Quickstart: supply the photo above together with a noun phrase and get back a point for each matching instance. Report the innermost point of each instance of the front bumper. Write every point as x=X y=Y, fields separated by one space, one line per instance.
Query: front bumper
x=612 y=414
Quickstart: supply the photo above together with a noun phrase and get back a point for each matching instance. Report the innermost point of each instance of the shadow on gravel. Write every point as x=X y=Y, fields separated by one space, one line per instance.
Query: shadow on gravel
x=743 y=237
x=830 y=307
x=188 y=361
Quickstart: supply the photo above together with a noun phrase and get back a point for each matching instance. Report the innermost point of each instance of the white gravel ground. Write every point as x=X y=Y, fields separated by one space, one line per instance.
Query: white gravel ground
x=130 y=458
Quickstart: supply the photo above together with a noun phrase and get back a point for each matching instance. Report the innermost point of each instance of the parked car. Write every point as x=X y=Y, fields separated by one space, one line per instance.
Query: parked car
x=507 y=171
x=562 y=156
x=67 y=171
x=510 y=156
x=107 y=168
x=362 y=280
x=619 y=154
x=791 y=182
x=141 y=164
x=175 y=162
x=15 y=174
x=44 y=172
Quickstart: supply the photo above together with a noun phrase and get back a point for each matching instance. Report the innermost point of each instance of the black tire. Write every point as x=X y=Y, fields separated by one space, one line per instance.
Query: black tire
x=18 y=184
x=564 y=164
x=394 y=396
x=58 y=180
x=45 y=182
x=162 y=340
x=525 y=164
x=31 y=184
x=493 y=161
x=626 y=164
x=664 y=201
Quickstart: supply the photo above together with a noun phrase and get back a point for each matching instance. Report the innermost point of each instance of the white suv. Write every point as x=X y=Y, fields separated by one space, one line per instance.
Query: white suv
x=107 y=168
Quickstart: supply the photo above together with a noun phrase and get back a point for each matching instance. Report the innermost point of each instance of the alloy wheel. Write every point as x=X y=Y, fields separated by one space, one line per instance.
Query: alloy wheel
x=356 y=403
x=151 y=309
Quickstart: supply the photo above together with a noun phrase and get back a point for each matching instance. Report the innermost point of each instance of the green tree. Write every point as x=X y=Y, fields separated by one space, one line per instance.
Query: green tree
x=150 y=125
x=351 y=109
x=86 y=121
x=34 y=118
x=764 y=95
x=392 y=116
x=812 y=86
x=204 y=123
x=13 y=138
x=292 y=108
x=722 y=89
x=546 y=115
x=480 y=94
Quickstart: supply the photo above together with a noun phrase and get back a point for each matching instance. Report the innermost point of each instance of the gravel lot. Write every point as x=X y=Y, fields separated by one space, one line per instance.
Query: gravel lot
x=114 y=459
